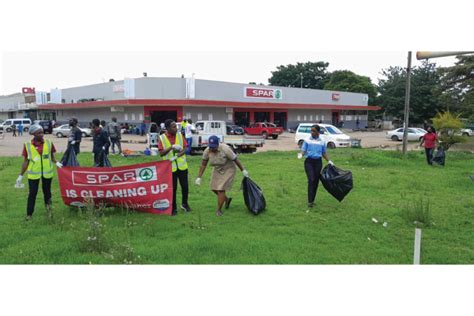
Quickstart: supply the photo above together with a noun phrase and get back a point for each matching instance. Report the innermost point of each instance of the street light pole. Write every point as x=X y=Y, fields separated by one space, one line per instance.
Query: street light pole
x=407 y=105
x=301 y=76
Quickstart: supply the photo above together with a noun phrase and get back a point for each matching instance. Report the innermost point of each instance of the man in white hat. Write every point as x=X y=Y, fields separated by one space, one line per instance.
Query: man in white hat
x=38 y=162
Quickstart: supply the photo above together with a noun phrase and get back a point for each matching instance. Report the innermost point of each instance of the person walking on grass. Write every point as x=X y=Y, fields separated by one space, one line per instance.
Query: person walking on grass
x=101 y=143
x=114 y=132
x=313 y=149
x=75 y=136
x=430 y=141
x=224 y=160
x=38 y=159
x=172 y=147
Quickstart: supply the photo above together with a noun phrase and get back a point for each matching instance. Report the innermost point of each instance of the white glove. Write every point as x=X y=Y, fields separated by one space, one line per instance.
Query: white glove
x=18 y=183
x=173 y=158
x=198 y=181
x=58 y=164
x=245 y=173
x=331 y=163
x=73 y=142
x=300 y=155
x=103 y=147
x=177 y=147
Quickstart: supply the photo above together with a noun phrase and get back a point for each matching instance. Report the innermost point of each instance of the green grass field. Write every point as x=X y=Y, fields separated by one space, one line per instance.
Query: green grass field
x=386 y=187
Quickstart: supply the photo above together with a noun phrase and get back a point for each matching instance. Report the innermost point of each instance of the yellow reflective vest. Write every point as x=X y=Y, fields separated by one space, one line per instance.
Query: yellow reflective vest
x=180 y=163
x=39 y=165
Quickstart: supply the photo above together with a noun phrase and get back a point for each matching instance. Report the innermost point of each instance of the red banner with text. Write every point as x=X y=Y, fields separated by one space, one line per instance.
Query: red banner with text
x=146 y=187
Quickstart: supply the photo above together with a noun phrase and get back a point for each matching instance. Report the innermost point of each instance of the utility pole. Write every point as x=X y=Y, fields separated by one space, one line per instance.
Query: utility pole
x=301 y=76
x=407 y=105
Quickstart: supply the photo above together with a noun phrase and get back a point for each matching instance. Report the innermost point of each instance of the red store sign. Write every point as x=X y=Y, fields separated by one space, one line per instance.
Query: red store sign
x=262 y=93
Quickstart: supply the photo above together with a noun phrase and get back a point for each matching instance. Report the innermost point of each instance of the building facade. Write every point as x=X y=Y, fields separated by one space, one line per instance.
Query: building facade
x=134 y=100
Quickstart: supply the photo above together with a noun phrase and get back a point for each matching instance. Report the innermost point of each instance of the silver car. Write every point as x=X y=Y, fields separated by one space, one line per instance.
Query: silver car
x=64 y=131
x=414 y=134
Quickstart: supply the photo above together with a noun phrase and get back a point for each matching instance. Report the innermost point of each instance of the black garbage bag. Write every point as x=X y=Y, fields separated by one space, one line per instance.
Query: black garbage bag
x=69 y=158
x=440 y=157
x=104 y=160
x=253 y=196
x=336 y=181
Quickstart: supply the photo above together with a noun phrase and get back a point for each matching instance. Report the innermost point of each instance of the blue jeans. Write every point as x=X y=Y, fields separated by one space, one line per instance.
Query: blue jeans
x=190 y=142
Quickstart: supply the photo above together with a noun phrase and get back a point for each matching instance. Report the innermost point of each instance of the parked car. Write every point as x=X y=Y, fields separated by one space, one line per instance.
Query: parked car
x=46 y=125
x=264 y=129
x=330 y=134
x=414 y=134
x=64 y=131
x=7 y=125
x=468 y=130
x=234 y=130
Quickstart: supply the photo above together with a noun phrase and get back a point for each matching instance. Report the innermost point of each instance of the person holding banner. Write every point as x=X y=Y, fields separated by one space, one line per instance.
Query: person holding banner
x=224 y=160
x=172 y=146
x=38 y=162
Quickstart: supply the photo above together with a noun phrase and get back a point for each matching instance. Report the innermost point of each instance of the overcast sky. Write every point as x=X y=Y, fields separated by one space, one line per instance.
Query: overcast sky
x=46 y=70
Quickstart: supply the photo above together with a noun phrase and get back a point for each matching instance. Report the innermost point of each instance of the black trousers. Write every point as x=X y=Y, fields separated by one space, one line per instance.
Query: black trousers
x=313 y=172
x=429 y=155
x=33 y=186
x=116 y=141
x=182 y=176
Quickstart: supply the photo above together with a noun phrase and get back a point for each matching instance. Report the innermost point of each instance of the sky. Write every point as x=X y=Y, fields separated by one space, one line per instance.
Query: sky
x=47 y=70
x=53 y=43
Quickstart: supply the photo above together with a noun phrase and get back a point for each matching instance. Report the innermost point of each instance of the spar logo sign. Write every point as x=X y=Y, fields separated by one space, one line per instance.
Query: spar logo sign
x=114 y=178
x=263 y=93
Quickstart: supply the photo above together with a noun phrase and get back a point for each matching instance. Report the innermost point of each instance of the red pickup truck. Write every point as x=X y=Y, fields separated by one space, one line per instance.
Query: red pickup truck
x=264 y=129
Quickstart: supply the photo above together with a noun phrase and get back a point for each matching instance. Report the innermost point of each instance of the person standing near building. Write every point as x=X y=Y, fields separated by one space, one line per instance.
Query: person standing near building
x=430 y=141
x=189 y=135
x=115 y=136
x=313 y=149
x=101 y=143
x=14 y=130
x=224 y=160
x=171 y=146
x=75 y=136
x=20 y=129
x=143 y=128
x=38 y=159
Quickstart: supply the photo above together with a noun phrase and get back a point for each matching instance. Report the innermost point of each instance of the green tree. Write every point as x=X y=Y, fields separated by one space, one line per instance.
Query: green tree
x=448 y=125
x=457 y=84
x=424 y=94
x=345 y=80
x=314 y=75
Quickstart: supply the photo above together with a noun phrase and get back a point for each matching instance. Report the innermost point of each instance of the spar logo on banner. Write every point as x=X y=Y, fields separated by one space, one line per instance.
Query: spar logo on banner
x=144 y=187
x=263 y=93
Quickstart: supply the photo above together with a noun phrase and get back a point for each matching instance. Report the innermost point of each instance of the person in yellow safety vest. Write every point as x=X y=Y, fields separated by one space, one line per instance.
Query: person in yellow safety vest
x=172 y=146
x=38 y=162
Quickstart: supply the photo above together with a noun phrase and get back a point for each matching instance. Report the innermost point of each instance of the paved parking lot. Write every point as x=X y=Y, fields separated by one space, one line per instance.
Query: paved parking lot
x=12 y=146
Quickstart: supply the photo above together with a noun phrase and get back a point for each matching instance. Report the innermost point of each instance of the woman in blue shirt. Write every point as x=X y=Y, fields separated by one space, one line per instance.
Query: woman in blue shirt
x=313 y=149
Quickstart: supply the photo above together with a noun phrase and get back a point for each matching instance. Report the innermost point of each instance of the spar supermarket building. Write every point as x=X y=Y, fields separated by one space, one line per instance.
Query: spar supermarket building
x=133 y=100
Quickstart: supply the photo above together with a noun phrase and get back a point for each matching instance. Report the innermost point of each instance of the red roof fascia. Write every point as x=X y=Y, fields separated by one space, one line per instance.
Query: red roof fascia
x=211 y=103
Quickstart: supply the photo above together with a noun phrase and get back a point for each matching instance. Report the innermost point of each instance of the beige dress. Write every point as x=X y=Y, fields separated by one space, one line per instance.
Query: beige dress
x=224 y=167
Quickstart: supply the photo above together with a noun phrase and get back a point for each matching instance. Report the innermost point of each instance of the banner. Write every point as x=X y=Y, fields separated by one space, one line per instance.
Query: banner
x=146 y=187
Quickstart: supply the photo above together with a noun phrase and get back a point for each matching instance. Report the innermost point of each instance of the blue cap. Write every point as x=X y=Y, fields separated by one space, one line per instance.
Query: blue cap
x=213 y=141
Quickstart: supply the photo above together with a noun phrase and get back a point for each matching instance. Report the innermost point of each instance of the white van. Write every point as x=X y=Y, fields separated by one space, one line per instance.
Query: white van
x=329 y=133
x=7 y=125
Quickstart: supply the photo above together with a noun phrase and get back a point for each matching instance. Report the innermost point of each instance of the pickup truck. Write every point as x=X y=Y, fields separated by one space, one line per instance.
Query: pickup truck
x=239 y=143
x=264 y=129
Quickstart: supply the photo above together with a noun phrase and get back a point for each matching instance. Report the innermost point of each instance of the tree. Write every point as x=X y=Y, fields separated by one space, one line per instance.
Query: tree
x=424 y=95
x=314 y=75
x=457 y=84
x=447 y=126
x=345 y=80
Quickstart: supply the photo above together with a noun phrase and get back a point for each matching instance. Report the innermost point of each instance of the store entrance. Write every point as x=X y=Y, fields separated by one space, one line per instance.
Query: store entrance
x=159 y=117
x=279 y=118
x=242 y=119
x=262 y=117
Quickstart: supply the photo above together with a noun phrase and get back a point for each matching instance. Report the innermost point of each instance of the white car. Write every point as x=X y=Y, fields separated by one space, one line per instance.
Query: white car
x=329 y=133
x=64 y=131
x=467 y=132
x=414 y=134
